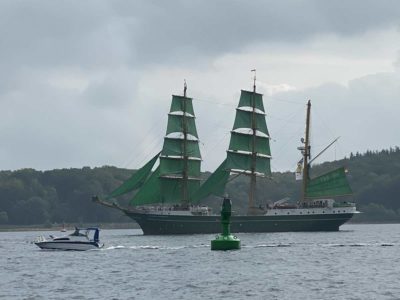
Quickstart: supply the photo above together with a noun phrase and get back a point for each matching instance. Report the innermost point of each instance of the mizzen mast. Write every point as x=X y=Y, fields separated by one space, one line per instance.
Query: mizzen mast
x=306 y=153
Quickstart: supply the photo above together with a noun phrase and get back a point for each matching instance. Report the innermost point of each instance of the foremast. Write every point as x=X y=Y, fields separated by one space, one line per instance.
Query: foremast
x=177 y=176
x=180 y=158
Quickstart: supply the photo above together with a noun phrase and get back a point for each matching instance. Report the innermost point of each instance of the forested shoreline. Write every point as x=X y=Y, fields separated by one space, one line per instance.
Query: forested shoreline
x=59 y=196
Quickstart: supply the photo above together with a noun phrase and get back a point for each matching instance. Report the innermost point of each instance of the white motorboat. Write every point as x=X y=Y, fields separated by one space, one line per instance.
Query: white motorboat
x=80 y=240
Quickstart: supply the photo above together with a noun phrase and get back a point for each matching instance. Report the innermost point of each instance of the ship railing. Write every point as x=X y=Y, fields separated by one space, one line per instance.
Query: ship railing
x=200 y=210
x=344 y=204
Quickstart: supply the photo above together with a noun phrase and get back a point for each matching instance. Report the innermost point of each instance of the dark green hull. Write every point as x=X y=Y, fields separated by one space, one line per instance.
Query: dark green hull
x=157 y=224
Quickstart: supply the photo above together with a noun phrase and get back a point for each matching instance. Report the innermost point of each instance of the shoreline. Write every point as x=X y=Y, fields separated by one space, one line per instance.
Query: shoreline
x=68 y=227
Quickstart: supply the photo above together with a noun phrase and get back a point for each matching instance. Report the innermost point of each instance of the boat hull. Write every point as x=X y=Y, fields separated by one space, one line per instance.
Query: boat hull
x=69 y=246
x=159 y=224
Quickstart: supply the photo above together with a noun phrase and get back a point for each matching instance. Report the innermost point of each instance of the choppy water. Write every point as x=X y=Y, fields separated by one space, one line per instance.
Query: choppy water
x=359 y=262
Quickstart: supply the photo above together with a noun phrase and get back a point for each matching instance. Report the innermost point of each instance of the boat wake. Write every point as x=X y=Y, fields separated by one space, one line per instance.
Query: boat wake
x=269 y=246
x=152 y=247
x=360 y=245
x=275 y=245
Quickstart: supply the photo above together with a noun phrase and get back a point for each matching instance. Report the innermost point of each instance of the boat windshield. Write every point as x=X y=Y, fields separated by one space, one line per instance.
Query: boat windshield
x=77 y=233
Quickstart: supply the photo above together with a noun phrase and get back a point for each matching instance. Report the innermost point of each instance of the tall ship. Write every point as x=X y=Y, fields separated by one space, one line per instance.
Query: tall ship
x=167 y=200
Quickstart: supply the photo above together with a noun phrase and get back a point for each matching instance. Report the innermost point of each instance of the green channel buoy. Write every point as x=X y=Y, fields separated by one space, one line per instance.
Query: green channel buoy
x=226 y=241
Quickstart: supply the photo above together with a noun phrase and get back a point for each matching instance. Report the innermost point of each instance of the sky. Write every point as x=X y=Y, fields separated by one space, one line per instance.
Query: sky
x=89 y=83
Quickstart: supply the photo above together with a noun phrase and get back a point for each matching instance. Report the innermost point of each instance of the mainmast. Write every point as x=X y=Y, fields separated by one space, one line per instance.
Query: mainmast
x=306 y=152
x=249 y=151
x=253 y=148
x=185 y=200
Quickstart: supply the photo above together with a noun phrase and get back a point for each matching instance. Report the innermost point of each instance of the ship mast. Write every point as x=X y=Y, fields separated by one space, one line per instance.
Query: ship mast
x=253 y=147
x=306 y=153
x=185 y=200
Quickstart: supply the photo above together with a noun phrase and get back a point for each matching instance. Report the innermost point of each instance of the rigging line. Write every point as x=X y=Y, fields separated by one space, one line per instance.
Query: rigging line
x=148 y=133
x=218 y=140
x=282 y=119
x=149 y=150
x=323 y=122
x=338 y=144
x=322 y=151
x=283 y=148
x=283 y=100
x=153 y=149
x=137 y=160
x=233 y=105
x=291 y=117
x=216 y=144
x=214 y=102
x=233 y=177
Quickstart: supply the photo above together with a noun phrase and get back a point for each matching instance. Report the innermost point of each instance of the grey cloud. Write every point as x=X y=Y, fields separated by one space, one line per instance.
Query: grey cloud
x=95 y=34
x=116 y=90
x=176 y=31
x=364 y=113
x=54 y=128
x=58 y=33
x=47 y=126
x=396 y=64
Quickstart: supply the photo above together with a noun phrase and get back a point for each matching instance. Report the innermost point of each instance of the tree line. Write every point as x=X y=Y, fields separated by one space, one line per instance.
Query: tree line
x=31 y=197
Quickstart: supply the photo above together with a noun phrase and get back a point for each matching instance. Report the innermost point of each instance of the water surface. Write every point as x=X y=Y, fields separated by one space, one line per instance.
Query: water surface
x=358 y=262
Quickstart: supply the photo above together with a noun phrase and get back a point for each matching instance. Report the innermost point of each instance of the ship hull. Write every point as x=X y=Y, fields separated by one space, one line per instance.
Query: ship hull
x=159 y=224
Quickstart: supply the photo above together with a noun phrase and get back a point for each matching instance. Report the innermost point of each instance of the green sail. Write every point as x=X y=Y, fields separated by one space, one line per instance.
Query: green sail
x=163 y=190
x=179 y=102
x=174 y=147
x=241 y=162
x=244 y=142
x=172 y=167
x=136 y=180
x=215 y=184
x=244 y=118
x=175 y=124
x=247 y=99
x=330 y=184
x=180 y=155
x=249 y=150
x=150 y=191
x=172 y=189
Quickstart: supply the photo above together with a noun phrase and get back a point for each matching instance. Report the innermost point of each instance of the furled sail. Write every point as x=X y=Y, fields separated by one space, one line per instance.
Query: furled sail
x=136 y=180
x=249 y=151
x=330 y=184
